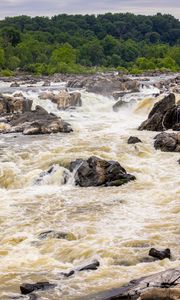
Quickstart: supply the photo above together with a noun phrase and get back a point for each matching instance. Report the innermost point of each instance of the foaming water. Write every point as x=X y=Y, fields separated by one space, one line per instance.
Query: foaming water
x=116 y=225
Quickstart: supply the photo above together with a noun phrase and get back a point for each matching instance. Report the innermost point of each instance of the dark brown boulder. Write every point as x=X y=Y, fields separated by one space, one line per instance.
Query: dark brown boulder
x=27 y=288
x=133 y=140
x=167 y=142
x=160 y=254
x=96 y=171
x=161 y=115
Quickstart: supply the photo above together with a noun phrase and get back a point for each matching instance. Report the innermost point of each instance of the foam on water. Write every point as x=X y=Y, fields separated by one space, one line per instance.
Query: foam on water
x=116 y=225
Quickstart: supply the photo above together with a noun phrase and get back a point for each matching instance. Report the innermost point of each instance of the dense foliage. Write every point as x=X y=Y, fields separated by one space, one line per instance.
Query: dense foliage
x=76 y=43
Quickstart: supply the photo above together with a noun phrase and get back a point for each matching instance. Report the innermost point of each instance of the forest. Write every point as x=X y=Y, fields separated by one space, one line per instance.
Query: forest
x=88 y=43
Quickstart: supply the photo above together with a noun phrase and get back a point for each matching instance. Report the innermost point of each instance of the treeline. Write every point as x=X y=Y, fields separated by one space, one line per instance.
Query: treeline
x=79 y=44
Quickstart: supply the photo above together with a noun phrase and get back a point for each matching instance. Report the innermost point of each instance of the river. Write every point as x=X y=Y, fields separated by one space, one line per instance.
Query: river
x=115 y=225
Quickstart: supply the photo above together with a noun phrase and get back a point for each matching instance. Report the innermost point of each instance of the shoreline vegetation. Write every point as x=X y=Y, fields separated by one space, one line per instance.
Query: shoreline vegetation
x=87 y=44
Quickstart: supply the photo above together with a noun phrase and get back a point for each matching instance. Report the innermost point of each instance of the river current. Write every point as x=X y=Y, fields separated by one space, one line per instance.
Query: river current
x=115 y=225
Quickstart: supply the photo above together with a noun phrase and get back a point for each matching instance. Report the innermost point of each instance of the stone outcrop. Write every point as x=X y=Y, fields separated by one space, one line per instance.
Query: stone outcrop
x=37 y=121
x=96 y=171
x=106 y=85
x=63 y=99
x=14 y=104
x=164 y=115
x=168 y=142
x=160 y=286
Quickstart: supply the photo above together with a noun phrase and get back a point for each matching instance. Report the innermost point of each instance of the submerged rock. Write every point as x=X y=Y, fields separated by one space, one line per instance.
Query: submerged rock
x=27 y=288
x=57 y=235
x=160 y=254
x=133 y=140
x=96 y=171
x=160 y=286
x=167 y=142
x=164 y=115
x=90 y=267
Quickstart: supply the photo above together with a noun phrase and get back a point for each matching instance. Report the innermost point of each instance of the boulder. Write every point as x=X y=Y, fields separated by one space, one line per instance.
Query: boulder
x=118 y=105
x=96 y=171
x=63 y=99
x=133 y=140
x=90 y=267
x=105 y=84
x=14 y=104
x=160 y=254
x=38 y=121
x=67 y=100
x=57 y=235
x=161 y=115
x=168 y=142
x=27 y=288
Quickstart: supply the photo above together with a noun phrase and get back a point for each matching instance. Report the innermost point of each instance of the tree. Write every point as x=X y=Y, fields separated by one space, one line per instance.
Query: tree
x=64 y=54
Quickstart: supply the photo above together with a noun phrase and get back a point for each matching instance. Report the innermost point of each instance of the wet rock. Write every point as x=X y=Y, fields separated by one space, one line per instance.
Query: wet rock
x=118 y=105
x=90 y=267
x=52 y=170
x=105 y=84
x=57 y=235
x=46 y=95
x=38 y=121
x=133 y=140
x=14 y=104
x=96 y=171
x=27 y=288
x=160 y=286
x=162 y=109
x=167 y=142
x=14 y=84
x=67 y=100
x=63 y=99
x=160 y=254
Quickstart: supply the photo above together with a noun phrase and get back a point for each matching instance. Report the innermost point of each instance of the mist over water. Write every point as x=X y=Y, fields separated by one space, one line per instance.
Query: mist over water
x=116 y=225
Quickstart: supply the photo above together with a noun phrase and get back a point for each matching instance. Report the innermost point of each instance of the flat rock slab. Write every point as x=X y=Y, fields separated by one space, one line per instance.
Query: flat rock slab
x=160 y=286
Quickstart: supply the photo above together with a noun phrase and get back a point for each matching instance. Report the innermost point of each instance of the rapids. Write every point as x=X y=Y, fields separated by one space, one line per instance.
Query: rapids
x=116 y=225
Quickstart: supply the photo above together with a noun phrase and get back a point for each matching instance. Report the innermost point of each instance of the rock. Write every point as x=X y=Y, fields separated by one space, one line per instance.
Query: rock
x=133 y=140
x=67 y=100
x=52 y=170
x=168 y=142
x=160 y=286
x=96 y=171
x=105 y=84
x=90 y=267
x=15 y=84
x=14 y=104
x=46 y=96
x=155 y=121
x=160 y=254
x=27 y=288
x=118 y=105
x=38 y=121
x=63 y=99
x=57 y=235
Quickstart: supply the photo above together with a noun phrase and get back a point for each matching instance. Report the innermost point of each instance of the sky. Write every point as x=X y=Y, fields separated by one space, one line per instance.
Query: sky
x=55 y=7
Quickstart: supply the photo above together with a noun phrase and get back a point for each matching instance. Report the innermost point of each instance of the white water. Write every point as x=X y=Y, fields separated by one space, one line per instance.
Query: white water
x=116 y=225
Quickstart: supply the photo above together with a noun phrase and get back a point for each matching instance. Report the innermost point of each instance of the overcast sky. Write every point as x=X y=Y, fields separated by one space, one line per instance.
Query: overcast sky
x=54 y=7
